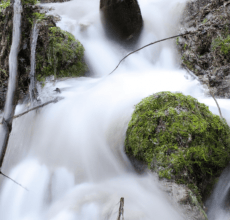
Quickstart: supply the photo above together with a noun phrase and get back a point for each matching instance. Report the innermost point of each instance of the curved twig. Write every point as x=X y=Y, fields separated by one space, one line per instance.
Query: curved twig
x=179 y=35
x=211 y=93
x=1 y=173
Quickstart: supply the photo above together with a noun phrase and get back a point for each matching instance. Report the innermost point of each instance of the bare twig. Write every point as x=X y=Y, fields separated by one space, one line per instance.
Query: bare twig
x=179 y=35
x=211 y=93
x=39 y=106
x=121 y=209
x=1 y=173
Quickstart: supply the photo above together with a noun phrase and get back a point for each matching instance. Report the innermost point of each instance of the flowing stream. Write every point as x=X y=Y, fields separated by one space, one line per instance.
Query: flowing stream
x=70 y=155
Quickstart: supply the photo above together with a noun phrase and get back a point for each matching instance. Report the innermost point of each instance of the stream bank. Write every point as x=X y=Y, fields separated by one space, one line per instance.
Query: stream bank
x=57 y=53
x=207 y=53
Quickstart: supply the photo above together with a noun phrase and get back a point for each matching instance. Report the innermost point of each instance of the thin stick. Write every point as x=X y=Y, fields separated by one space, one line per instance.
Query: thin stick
x=1 y=173
x=39 y=106
x=121 y=209
x=216 y=102
x=179 y=35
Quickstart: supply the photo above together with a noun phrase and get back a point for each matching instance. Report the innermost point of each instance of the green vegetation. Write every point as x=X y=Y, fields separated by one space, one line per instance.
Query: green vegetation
x=180 y=139
x=4 y=4
x=177 y=40
x=188 y=64
x=205 y=20
x=221 y=43
x=36 y=16
x=185 y=46
x=3 y=71
x=63 y=57
x=29 y=2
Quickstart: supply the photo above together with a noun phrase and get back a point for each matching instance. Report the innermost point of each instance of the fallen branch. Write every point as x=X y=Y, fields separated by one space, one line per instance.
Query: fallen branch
x=39 y=106
x=179 y=35
x=211 y=93
x=121 y=209
x=1 y=173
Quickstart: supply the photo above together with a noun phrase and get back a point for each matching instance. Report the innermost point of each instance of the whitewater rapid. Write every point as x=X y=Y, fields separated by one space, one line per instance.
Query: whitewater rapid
x=70 y=155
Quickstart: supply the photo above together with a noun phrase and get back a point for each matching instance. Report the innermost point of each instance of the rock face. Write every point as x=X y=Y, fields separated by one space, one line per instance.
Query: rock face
x=207 y=53
x=122 y=19
x=180 y=140
x=180 y=196
x=58 y=52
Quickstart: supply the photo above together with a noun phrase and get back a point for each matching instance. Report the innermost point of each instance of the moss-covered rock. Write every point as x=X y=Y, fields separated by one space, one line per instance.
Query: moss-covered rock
x=180 y=139
x=58 y=54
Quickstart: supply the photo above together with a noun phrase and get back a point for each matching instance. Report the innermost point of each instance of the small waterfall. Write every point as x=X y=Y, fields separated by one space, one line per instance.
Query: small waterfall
x=70 y=156
x=32 y=87
x=219 y=202
x=10 y=104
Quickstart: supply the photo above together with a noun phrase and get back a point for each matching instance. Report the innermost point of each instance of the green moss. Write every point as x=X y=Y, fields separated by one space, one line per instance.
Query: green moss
x=29 y=2
x=36 y=17
x=63 y=57
x=185 y=46
x=177 y=40
x=39 y=16
x=3 y=71
x=221 y=43
x=205 y=20
x=179 y=138
x=188 y=64
x=4 y=4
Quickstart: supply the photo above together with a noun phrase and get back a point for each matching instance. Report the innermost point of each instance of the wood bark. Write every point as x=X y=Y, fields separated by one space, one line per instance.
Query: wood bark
x=121 y=209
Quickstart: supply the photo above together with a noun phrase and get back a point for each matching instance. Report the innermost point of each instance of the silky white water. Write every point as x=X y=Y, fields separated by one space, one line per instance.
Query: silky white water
x=70 y=155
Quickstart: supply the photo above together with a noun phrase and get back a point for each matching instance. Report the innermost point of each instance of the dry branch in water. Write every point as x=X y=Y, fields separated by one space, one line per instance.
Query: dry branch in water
x=215 y=101
x=39 y=106
x=179 y=35
x=121 y=209
x=16 y=116
x=1 y=173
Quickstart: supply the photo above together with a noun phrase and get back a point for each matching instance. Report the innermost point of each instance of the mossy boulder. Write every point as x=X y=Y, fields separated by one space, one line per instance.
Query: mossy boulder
x=180 y=139
x=59 y=54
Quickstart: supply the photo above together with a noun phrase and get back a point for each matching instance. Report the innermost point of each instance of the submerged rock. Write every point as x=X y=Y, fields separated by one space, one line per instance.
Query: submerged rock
x=180 y=140
x=122 y=19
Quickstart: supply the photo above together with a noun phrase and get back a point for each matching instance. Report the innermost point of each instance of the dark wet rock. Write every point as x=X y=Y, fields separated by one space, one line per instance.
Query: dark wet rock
x=57 y=90
x=5 y=44
x=122 y=19
x=207 y=53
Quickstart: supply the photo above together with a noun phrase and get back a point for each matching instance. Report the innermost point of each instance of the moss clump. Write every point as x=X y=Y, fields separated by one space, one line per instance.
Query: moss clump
x=179 y=138
x=4 y=4
x=36 y=16
x=29 y=2
x=221 y=43
x=62 y=56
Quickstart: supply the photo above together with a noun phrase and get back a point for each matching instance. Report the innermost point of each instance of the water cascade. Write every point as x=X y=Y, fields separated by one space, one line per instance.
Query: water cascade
x=70 y=155
x=5 y=125
x=32 y=87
